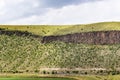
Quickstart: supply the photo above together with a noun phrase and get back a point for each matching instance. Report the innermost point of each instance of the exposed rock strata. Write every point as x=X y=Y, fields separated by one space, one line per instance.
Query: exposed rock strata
x=98 y=37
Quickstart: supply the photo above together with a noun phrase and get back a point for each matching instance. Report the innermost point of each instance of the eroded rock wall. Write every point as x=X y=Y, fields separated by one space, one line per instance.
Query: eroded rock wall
x=98 y=37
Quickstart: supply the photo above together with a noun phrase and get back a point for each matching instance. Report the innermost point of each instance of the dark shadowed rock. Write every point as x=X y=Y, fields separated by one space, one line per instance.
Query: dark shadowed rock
x=98 y=37
x=17 y=33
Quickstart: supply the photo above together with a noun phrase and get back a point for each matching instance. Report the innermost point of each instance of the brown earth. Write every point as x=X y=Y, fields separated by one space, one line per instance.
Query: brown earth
x=97 y=37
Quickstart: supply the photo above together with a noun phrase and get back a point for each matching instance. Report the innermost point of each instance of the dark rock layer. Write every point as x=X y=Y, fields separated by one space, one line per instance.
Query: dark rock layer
x=17 y=33
x=98 y=37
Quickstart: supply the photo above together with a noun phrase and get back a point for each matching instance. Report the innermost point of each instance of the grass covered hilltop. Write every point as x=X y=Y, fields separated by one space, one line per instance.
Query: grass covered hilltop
x=46 y=30
x=26 y=54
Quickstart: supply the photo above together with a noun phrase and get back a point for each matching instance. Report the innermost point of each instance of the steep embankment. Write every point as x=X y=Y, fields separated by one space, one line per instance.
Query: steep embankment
x=98 y=37
x=24 y=52
x=28 y=54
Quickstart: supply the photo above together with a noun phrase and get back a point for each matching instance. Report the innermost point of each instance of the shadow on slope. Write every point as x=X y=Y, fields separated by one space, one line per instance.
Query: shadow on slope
x=17 y=33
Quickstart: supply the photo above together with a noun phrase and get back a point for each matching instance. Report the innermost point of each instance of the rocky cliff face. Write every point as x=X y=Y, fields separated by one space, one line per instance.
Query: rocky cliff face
x=98 y=37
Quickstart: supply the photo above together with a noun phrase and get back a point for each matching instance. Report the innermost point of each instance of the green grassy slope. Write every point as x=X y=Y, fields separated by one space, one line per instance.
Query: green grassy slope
x=18 y=53
x=45 y=30
x=36 y=79
x=26 y=53
x=109 y=77
x=103 y=26
x=35 y=29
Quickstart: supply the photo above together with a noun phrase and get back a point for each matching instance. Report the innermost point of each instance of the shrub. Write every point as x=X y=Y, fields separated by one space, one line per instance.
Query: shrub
x=44 y=72
x=68 y=72
x=36 y=71
x=86 y=73
x=54 y=72
x=27 y=70
x=75 y=72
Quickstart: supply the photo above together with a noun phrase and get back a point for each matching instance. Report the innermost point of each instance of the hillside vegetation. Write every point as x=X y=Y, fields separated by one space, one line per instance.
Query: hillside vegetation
x=28 y=54
x=46 y=30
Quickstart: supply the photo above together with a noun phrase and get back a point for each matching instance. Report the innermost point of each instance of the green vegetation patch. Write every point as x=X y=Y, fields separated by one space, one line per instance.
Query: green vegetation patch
x=46 y=30
x=27 y=54
x=35 y=79
x=109 y=77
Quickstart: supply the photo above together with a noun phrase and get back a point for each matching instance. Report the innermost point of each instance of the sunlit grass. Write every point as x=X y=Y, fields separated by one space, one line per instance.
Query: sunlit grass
x=45 y=30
